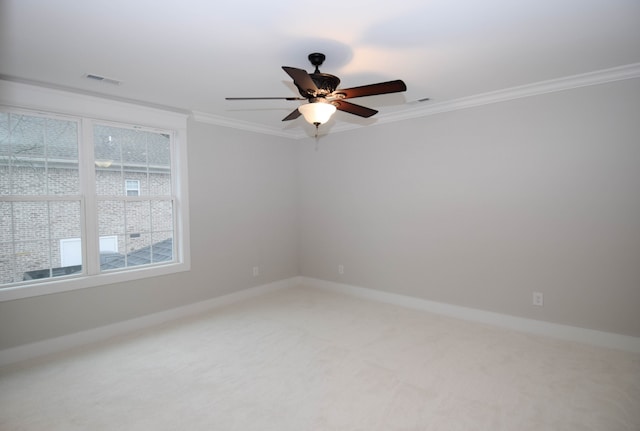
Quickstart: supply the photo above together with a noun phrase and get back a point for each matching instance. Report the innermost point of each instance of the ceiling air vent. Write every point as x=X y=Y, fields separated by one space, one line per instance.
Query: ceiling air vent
x=104 y=79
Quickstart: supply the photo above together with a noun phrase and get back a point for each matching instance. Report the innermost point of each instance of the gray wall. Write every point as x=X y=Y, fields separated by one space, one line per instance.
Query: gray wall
x=481 y=207
x=243 y=214
x=477 y=207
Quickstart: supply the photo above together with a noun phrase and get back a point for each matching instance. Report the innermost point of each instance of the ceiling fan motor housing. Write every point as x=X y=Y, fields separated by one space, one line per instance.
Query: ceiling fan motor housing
x=325 y=82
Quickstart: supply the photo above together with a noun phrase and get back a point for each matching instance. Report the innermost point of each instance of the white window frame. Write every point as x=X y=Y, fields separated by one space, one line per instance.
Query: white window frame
x=35 y=99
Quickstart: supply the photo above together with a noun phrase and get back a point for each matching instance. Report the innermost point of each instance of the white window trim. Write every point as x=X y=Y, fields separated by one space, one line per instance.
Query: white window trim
x=52 y=101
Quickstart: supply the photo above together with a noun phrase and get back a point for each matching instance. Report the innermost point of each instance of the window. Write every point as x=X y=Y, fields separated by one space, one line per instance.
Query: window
x=64 y=213
x=132 y=187
x=142 y=222
x=40 y=187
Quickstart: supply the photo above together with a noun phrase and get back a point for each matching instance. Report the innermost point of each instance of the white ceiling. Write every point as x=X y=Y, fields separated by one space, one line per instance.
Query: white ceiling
x=191 y=54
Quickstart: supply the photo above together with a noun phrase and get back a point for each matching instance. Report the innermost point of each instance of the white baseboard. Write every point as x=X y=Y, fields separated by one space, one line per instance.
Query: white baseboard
x=59 y=344
x=564 y=332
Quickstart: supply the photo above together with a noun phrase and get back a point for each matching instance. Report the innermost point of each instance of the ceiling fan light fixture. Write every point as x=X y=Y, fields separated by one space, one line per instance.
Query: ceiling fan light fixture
x=317 y=113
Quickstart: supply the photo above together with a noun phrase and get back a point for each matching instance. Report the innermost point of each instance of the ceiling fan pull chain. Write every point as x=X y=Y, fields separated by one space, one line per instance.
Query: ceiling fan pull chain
x=317 y=141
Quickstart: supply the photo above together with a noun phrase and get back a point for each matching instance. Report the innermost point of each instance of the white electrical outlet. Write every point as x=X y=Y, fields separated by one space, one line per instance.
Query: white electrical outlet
x=538 y=299
x=341 y=269
x=256 y=271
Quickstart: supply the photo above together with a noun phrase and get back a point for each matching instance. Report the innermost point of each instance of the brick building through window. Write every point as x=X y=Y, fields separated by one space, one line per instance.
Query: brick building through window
x=48 y=192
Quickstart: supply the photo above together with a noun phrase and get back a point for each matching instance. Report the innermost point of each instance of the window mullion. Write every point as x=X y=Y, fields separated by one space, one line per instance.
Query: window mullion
x=89 y=228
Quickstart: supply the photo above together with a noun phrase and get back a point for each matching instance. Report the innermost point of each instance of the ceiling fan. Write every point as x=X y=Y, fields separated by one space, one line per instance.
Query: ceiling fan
x=321 y=90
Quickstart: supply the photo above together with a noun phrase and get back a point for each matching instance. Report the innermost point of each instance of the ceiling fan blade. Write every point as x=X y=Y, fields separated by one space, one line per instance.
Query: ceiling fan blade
x=294 y=114
x=264 y=98
x=302 y=80
x=352 y=108
x=372 y=89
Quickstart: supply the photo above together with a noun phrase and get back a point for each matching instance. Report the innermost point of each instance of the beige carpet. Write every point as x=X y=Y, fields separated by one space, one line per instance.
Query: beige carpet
x=306 y=360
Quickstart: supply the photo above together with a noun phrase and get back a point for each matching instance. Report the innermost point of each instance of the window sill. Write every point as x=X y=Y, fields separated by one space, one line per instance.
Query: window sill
x=67 y=284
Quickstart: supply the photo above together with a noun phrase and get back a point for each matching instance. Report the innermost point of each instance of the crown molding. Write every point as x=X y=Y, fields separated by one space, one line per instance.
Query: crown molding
x=218 y=120
x=61 y=100
x=628 y=71
x=620 y=73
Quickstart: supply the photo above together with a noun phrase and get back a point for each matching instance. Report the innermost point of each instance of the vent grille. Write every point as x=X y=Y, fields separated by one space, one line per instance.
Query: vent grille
x=104 y=79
